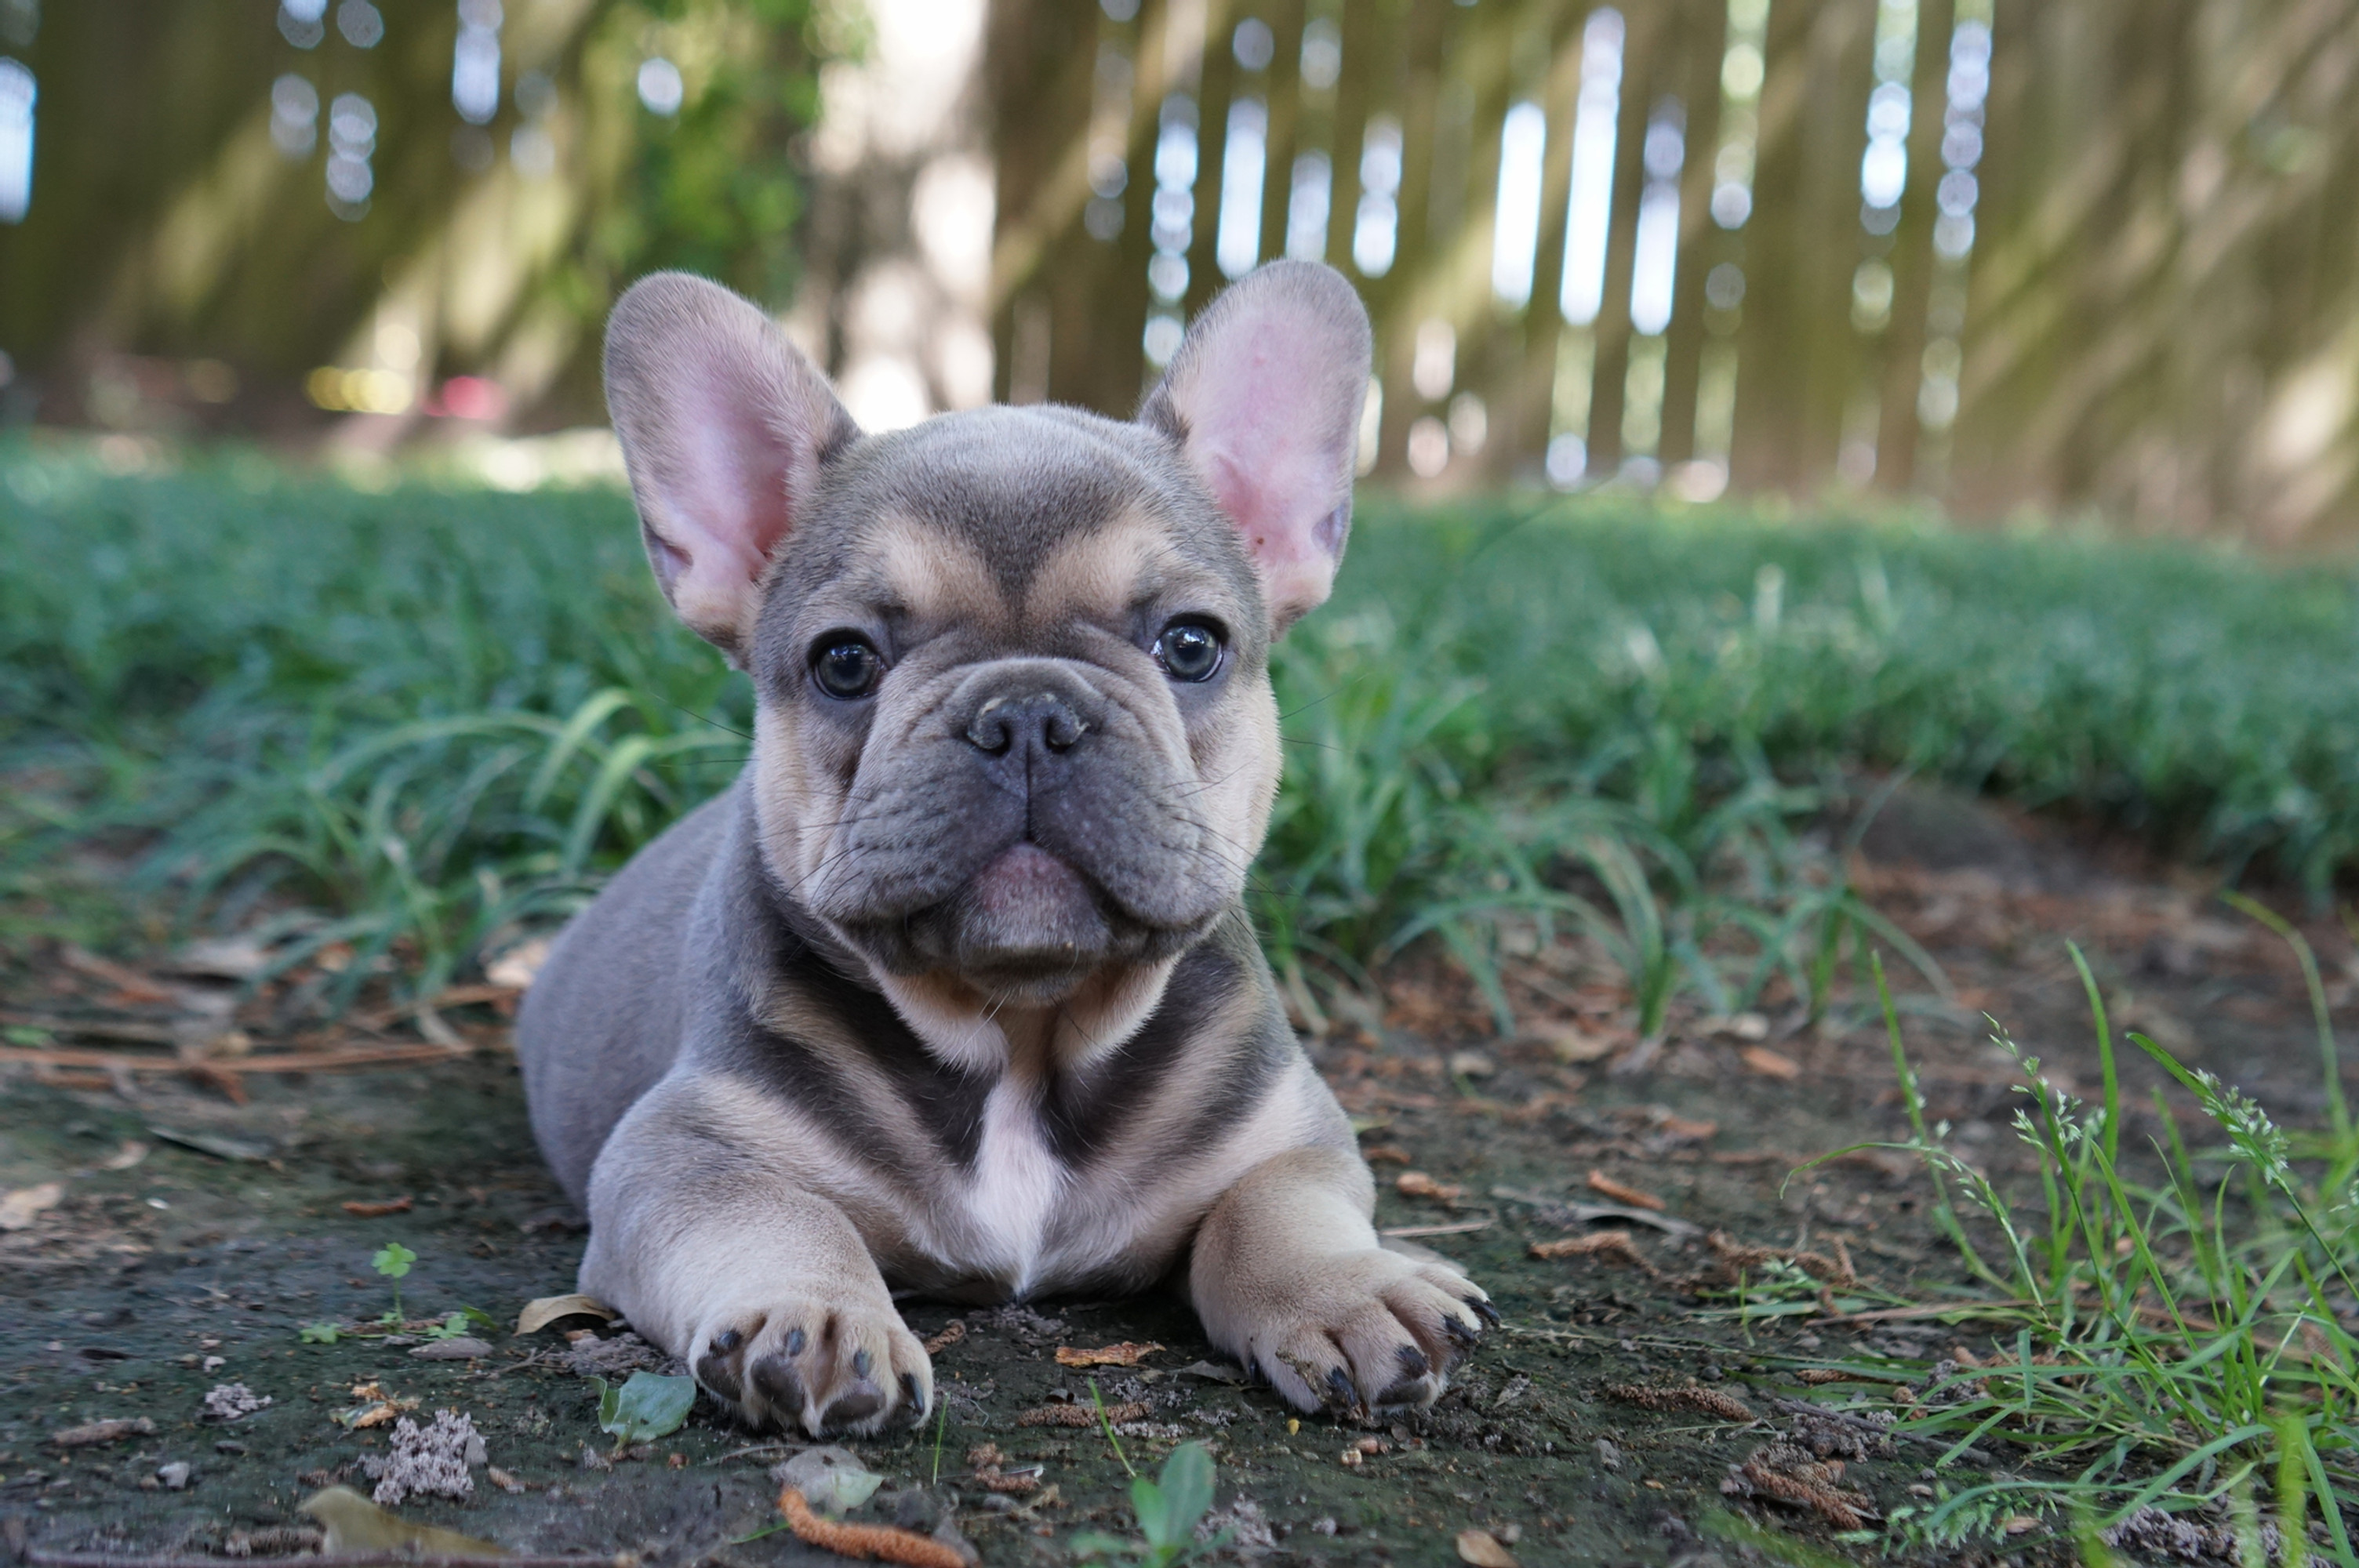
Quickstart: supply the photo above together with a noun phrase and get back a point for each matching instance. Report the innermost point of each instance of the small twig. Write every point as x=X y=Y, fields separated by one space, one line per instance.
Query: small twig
x=1404 y=1231
x=763 y=1448
x=38 y=1557
x=282 y=1062
x=1567 y=1215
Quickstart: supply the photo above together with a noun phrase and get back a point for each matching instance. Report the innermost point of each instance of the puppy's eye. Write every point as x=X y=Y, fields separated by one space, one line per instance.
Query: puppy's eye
x=847 y=665
x=1189 y=651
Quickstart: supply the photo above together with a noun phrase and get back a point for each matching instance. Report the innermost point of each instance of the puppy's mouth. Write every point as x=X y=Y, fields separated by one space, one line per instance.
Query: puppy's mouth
x=1026 y=928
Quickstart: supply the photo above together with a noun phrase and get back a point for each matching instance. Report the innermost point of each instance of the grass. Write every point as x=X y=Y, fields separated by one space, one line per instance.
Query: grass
x=2181 y=1316
x=441 y=716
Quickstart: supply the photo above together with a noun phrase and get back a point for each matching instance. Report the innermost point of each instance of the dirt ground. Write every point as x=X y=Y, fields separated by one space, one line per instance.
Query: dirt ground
x=193 y=1236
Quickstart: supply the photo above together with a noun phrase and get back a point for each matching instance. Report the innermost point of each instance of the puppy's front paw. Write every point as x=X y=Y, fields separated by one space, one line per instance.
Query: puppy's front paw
x=1360 y=1330
x=825 y=1366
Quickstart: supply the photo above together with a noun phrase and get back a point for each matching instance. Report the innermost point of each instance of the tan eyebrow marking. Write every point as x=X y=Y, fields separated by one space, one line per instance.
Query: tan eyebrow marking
x=936 y=575
x=1104 y=570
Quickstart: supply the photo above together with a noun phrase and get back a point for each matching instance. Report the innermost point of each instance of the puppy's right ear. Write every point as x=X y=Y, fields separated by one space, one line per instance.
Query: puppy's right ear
x=723 y=425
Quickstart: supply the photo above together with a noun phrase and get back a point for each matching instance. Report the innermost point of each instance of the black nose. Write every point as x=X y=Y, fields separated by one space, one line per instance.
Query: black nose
x=1005 y=725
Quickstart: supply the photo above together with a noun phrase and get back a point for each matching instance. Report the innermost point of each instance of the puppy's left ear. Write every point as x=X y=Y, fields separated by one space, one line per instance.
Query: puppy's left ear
x=1264 y=398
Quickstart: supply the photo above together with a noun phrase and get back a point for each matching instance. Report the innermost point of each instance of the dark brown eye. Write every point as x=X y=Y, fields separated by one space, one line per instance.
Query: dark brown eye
x=1189 y=651
x=847 y=665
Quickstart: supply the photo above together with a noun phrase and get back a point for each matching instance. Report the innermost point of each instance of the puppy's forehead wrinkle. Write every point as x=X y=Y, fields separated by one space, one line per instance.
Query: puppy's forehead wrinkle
x=1015 y=485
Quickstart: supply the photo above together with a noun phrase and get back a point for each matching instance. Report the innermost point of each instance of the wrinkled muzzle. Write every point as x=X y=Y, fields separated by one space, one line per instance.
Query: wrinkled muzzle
x=1025 y=828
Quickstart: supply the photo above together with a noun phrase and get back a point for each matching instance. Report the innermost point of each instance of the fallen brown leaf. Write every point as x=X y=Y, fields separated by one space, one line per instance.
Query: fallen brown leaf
x=1482 y=1549
x=1387 y=1153
x=538 y=1314
x=1599 y=1181
x=90 y=1434
x=1126 y=1354
x=354 y=1524
x=1418 y=1185
x=20 y=1208
x=361 y=1208
x=1769 y=1064
x=1572 y=1044
x=946 y=1337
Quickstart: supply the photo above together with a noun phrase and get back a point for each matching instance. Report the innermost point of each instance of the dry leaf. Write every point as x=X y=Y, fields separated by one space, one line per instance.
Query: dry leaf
x=1599 y=1181
x=1572 y=1044
x=1418 y=1185
x=92 y=1434
x=538 y=1314
x=1126 y=1354
x=946 y=1337
x=515 y=968
x=1481 y=1548
x=18 y=1209
x=360 y=1210
x=355 y=1524
x=1387 y=1153
x=1769 y=1064
x=122 y=1159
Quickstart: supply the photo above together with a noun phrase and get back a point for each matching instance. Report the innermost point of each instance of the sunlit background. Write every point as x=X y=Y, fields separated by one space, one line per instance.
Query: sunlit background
x=2082 y=254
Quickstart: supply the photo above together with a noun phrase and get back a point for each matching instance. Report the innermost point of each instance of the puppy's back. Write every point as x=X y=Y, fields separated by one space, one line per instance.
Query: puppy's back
x=602 y=1020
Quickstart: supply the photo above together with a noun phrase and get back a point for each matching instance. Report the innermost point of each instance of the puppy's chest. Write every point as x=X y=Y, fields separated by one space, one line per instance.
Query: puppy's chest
x=1018 y=1214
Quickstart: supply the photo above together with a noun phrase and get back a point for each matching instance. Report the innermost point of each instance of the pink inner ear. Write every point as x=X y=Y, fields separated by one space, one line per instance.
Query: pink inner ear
x=1268 y=435
x=734 y=494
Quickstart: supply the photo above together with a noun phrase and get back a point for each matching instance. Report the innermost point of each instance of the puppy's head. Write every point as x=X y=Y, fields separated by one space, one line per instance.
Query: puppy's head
x=1015 y=741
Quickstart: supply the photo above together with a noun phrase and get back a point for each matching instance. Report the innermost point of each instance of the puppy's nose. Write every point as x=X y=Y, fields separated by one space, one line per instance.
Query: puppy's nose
x=1009 y=724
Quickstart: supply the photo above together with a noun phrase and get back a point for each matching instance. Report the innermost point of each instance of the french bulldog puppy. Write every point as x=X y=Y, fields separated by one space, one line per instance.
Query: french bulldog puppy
x=953 y=992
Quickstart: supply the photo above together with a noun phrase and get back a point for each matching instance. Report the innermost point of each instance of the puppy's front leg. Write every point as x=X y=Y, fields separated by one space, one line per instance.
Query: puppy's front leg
x=1287 y=1276
x=765 y=1288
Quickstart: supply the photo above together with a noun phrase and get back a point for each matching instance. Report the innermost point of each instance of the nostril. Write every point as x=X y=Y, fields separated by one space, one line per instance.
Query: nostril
x=989 y=731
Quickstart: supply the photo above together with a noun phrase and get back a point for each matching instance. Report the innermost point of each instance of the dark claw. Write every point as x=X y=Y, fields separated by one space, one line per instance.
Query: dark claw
x=856 y=1403
x=1253 y=1374
x=1486 y=1311
x=775 y=1379
x=1413 y=1362
x=910 y=1396
x=1341 y=1383
x=796 y=1340
x=1456 y=1328
x=716 y=1374
x=726 y=1341
x=860 y=1363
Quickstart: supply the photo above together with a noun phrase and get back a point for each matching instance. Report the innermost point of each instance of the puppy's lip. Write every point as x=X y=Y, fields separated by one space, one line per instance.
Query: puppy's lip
x=1029 y=918
x=1023 y=877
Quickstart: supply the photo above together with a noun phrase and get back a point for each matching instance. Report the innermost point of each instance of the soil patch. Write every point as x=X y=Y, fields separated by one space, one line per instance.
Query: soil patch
x=1615 y=1413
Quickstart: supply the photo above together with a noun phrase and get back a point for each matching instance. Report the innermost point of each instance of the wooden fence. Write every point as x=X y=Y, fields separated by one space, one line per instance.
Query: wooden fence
x=2064 y=253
